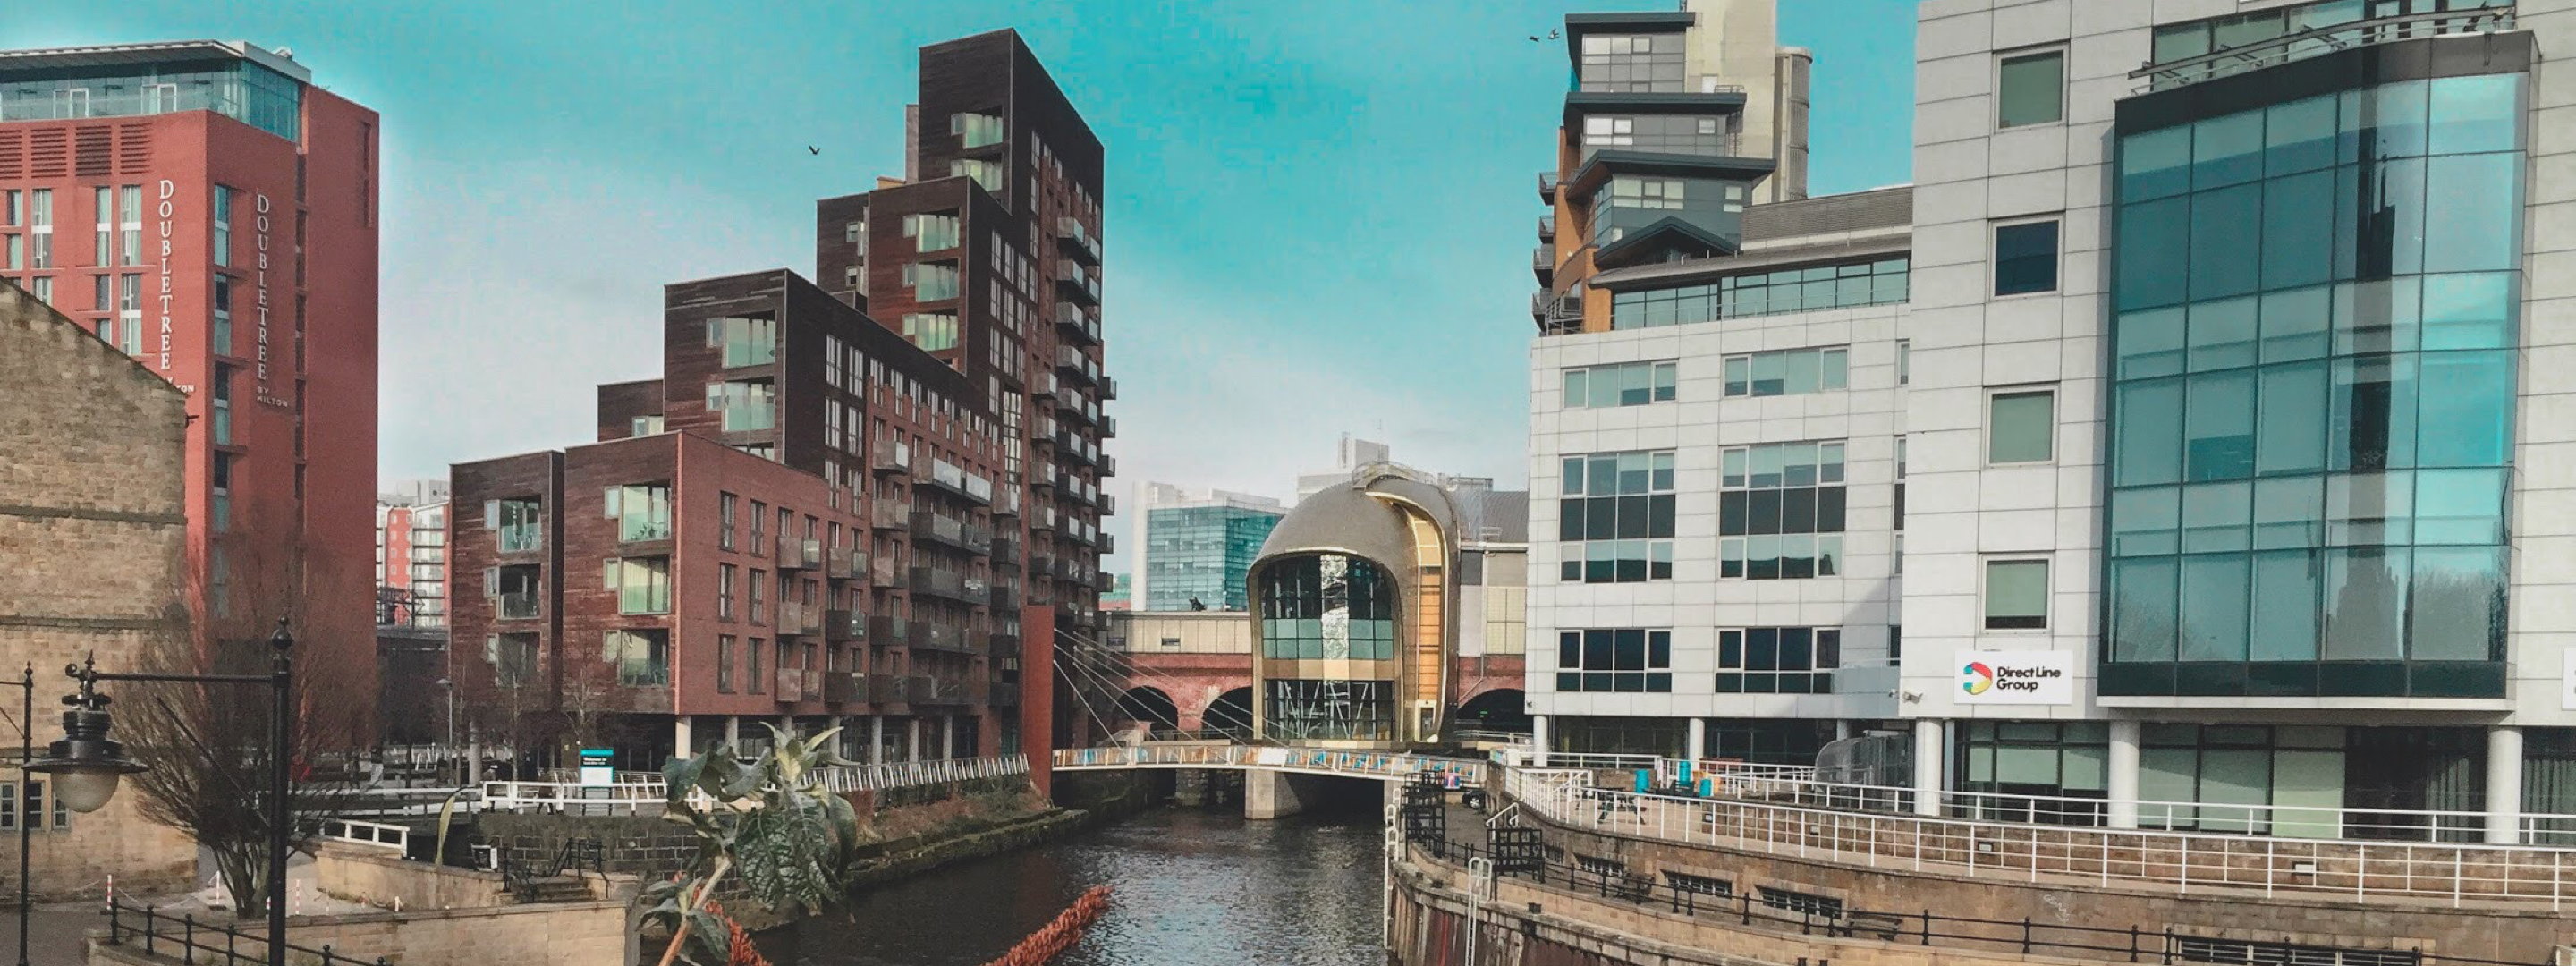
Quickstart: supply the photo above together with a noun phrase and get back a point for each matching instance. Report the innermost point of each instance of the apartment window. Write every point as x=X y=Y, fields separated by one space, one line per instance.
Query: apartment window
x=2016 y=595
x=850 y=276
x=751 y=666
x=27 y=801
x=513 y=524
x=2026 y=257
x=850 y=231
x=746 y=405
x=2031 y=89
x=724 y=664
x=725 y=576
x=642 y=584
x=745 y=341
x=2021 y=426
x=986 y=173
x=1616 y=517
x=1625 y=384
x=1780 y=511
x=40 y=228
x=930 y=281
x=932 y=331
x=130 y=222
x=222 y=252
x=513 y=658
x=759 y=610
x=975 y=130
x=642 y=657
x=103 y=287
x=1788 y=373
x=931 y=233
x=1658 y=133
x=642 y=511
x=646 y=426
x=104 y=237
x=1778 y=660
x=1615 y=659
x=724 y=520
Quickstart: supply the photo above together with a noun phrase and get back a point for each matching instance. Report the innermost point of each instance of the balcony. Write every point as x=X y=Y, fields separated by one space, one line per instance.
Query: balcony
x=892 y=631
x=1556 y=314
x=1074 y=325
x=951 y=532
x=1108 y=463
x=890 y=458
x=951 y=586
x=1041 y=561
x=967 y=691
x=1108 y=541
x=1006 y=551
x=954 y=480
x=881 y=572
x=1003 y=643
x=1547 y=187
x=1076 y=285
x=1108 y=504
x=1074 y=242
x=898 y=689
x=1004 y=695
x=1071 y=363
x=944 y=638
x=1044 y=522
x=799 y=554
x=1005 y=597
x=1547 y=228
x=845 y=687
x=845 y=626
x=1108 y=386
x=886 y=513
x=796 y=619
x=518 y=607
x=1104 y=581
x=796 y=685
x=1543 y=264
x=847 y=563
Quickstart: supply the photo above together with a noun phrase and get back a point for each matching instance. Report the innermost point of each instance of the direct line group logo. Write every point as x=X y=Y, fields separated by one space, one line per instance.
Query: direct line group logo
x=1976 y=678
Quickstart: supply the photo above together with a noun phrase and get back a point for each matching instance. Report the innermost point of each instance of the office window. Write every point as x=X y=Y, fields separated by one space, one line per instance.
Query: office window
x=1614 y=659
x=1616 y=517
x=2016 y=595
x=129 y=314
x=1632 y=62
x=751 y=652
x=2026 y=258
x=1625 y=384
x=2021 y=426
x=931 y=233
x=2031 y=89
x=724 y=664
x=103 y=200
x=130 y=222
x=1811 y=288
x=1788 y=373
x=1778 y=660
x=1904 y=362
x=642 y=657
x=1780 y=510
x=221 y=338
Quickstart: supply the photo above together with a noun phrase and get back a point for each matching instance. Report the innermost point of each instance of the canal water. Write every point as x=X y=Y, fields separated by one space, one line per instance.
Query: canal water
x=1193 y=888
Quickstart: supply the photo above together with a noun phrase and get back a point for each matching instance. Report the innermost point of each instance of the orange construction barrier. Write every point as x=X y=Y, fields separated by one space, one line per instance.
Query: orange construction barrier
x=1055 y=937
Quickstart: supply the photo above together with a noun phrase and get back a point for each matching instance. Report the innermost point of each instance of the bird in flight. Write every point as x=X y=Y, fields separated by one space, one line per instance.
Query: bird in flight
x=810 y=149
x=1551 y=35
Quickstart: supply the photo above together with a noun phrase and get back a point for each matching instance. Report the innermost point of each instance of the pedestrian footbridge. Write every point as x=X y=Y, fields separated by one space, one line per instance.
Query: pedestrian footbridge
x=1277 y=781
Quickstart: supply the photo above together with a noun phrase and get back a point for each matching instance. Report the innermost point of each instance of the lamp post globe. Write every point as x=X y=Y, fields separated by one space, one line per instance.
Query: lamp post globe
x=85 y=763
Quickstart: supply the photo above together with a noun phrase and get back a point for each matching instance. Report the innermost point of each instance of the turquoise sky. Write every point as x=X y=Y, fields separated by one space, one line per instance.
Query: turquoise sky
x=1319 y=215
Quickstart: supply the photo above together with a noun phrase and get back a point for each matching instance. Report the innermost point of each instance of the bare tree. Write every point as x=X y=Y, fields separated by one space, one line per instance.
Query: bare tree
x=208 y=748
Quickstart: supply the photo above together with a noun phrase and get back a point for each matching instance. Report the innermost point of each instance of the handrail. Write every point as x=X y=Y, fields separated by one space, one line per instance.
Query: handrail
x=1371 y=764
x=193 y=937
x=643 y=796
x=370 y=834
x=2180 y=860
x=2254 y=57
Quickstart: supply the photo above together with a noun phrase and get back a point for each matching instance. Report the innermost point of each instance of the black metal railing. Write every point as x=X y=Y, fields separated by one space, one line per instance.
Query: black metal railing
x=523 y=876
x=1708 y=896
x=191 y=942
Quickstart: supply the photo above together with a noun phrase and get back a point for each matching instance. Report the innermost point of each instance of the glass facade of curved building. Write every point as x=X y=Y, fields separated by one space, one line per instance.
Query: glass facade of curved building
x=1329 y=620
x=2316 y=415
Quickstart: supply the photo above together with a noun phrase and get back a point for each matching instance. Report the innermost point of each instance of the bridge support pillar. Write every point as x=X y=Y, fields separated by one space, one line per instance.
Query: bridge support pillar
x=1271 y=794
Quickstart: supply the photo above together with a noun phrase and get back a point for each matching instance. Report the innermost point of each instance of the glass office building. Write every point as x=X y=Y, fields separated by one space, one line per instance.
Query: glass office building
x=1197 y=556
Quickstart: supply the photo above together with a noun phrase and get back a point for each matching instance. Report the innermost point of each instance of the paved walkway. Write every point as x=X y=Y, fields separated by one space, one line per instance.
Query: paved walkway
x=55 y=936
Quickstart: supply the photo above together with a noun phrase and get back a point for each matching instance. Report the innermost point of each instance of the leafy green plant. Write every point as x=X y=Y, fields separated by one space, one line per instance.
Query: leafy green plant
x=770 y=823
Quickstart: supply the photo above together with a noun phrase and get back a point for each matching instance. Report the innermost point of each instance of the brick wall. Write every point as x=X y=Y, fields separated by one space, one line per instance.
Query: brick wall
x=91 y=534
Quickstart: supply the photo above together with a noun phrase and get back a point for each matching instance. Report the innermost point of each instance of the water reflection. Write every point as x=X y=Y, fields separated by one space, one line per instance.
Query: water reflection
x=1194 y=888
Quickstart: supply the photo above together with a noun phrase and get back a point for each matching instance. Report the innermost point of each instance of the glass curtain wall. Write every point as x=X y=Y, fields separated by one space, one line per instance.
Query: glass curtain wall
x=1328 y=632
x=2315 y=316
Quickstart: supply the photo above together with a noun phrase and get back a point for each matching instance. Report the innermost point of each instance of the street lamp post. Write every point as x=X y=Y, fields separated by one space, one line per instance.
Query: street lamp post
x=86 y=763
x=26 y=822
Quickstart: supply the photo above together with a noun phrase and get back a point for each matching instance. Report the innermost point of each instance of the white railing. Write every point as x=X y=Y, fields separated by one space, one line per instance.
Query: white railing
x=1368 y=764
x=879 y=777
x=2180 y=860
x=1794 y=785
x=636 y=793
x=371 y=834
